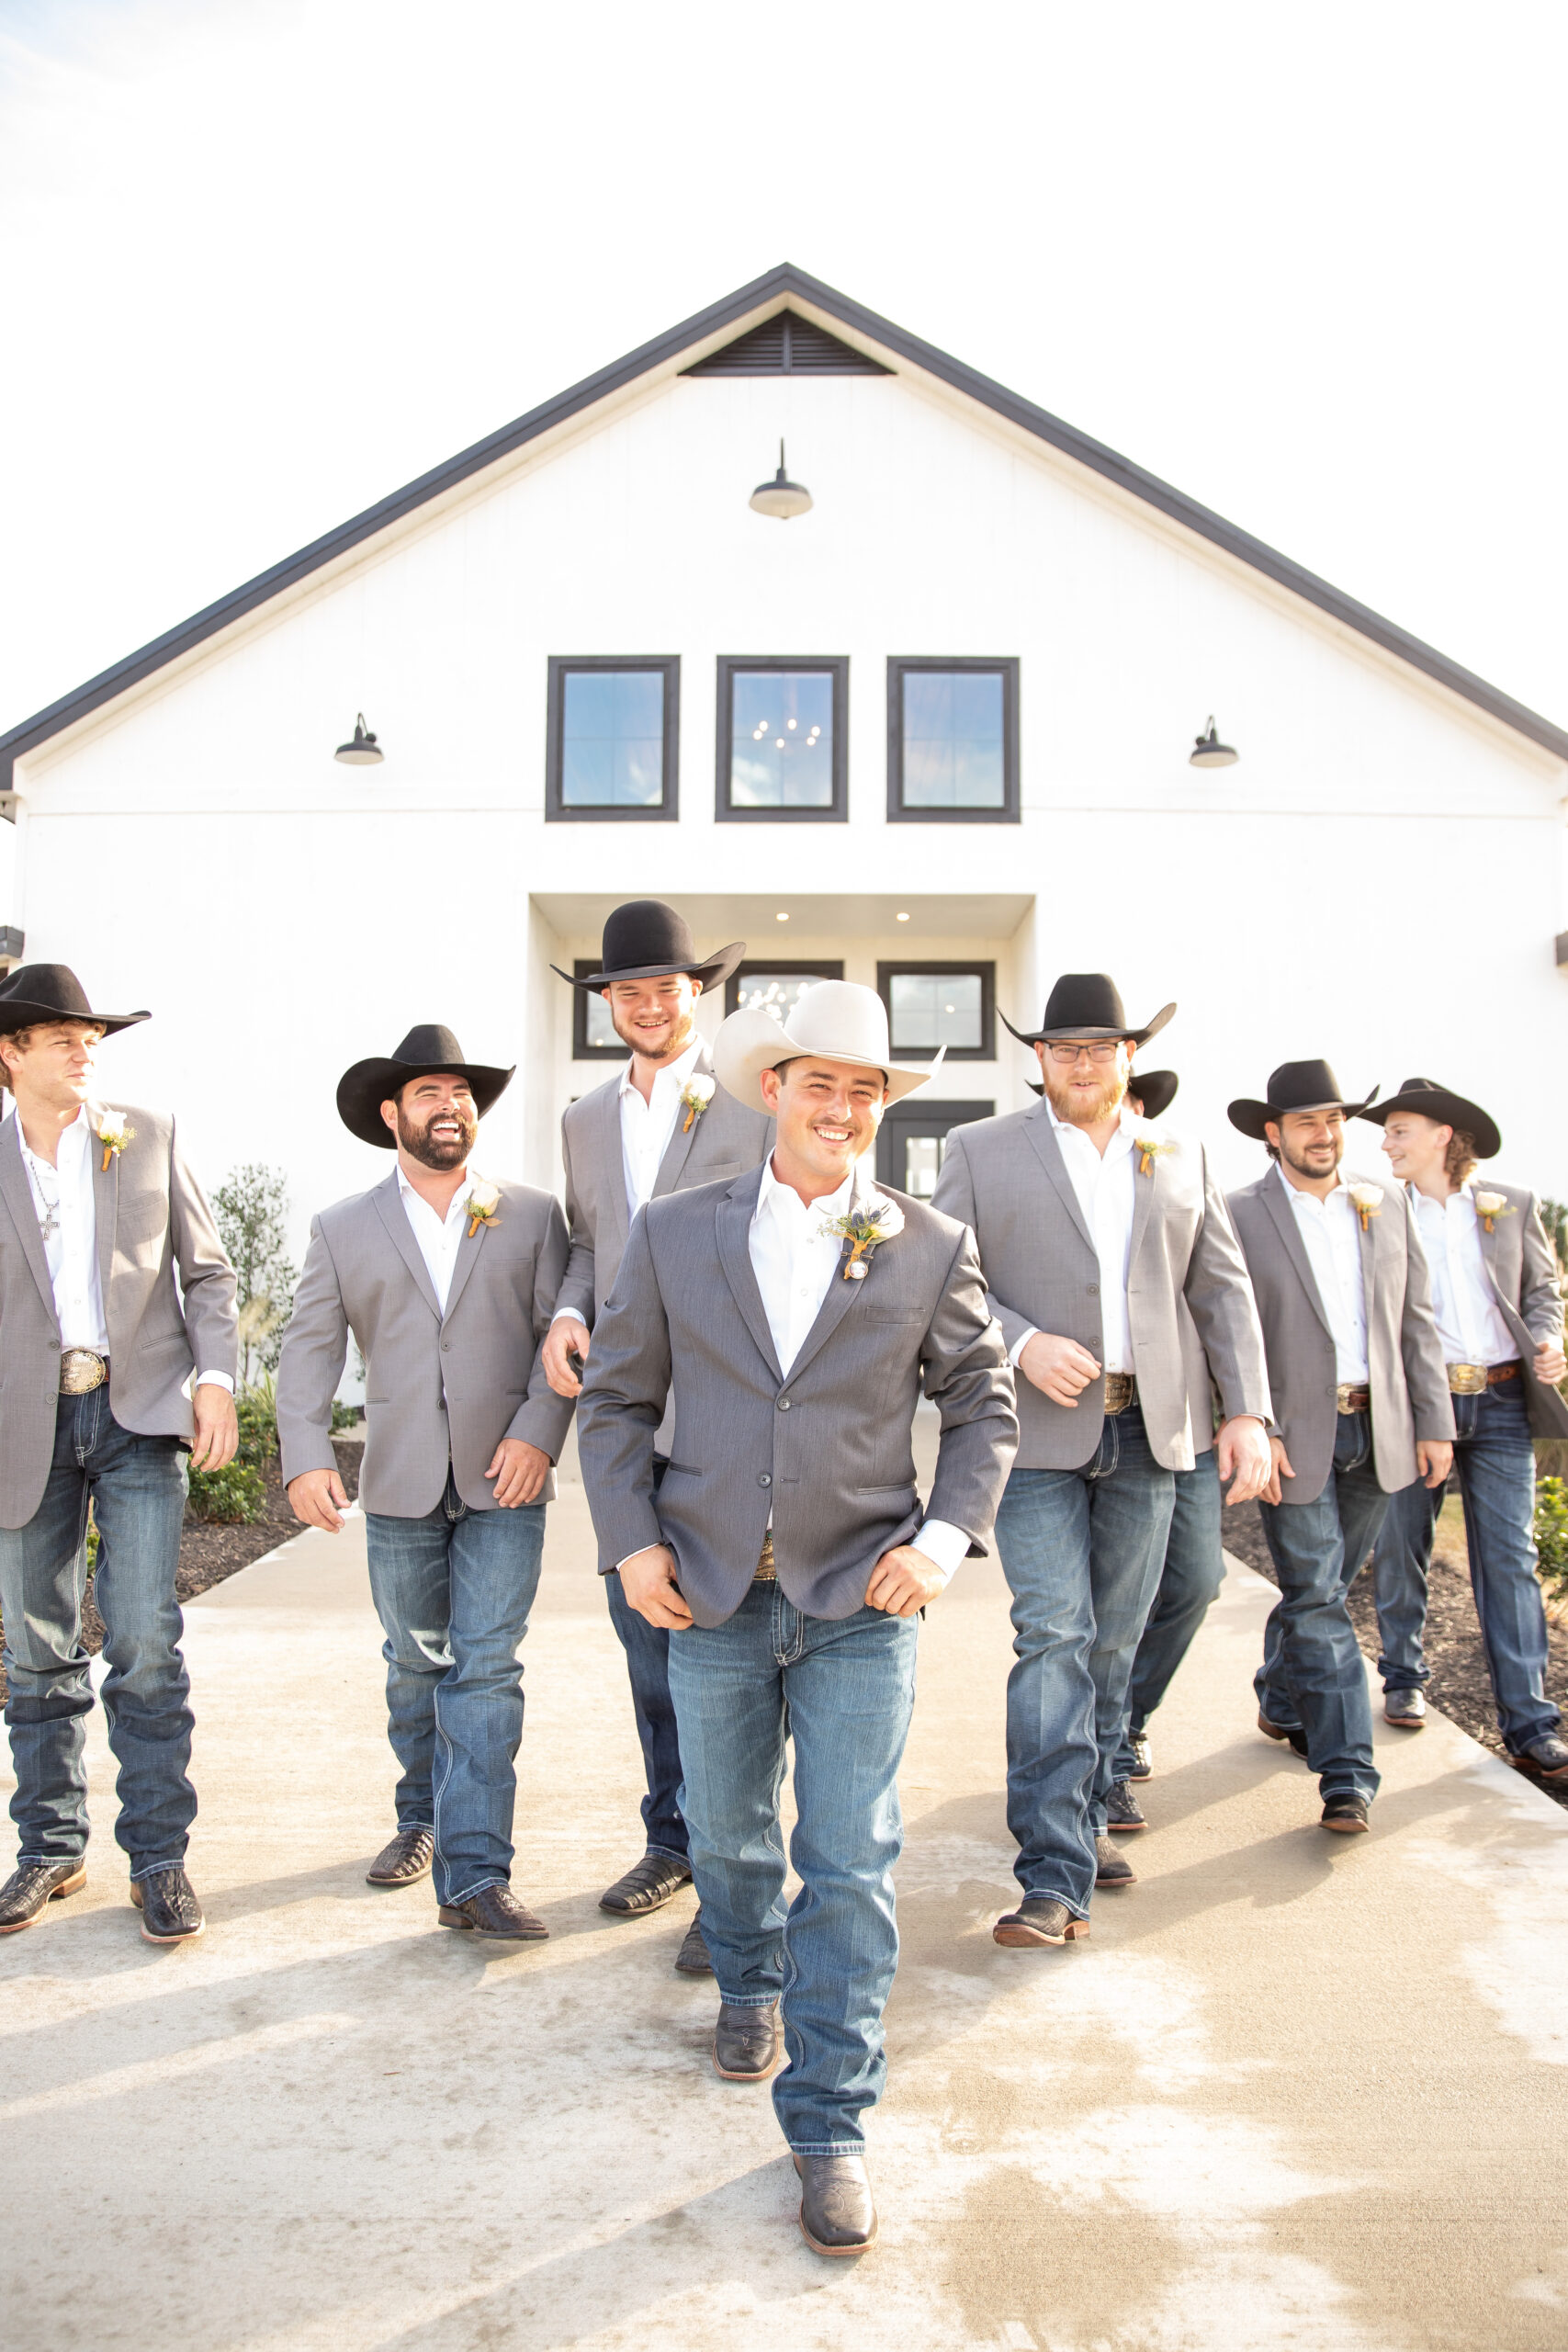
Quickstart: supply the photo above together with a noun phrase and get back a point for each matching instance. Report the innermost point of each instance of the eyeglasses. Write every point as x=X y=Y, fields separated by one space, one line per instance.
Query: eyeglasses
x=1066 y=1056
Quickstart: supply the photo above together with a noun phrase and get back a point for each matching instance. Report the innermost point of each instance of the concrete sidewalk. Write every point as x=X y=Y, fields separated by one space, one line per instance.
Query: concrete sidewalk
x=1297 y=2090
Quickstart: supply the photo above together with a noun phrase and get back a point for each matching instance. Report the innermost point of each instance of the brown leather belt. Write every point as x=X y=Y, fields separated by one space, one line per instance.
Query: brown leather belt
x=1472 y=1379
x=1352 y=1400
x=1120 y=1387
x=766 y=1572
x=81 y=1369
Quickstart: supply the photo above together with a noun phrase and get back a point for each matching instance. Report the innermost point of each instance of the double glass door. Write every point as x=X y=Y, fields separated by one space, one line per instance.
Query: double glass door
x=912 y=1140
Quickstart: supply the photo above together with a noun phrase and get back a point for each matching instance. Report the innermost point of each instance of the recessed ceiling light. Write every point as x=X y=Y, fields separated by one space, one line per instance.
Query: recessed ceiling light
x=781 y=918
x=903 y=918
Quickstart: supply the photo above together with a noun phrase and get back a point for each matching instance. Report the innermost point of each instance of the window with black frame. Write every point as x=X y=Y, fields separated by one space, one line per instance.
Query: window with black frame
x=613 y=736
x=935 y=1005
x=593 y=1038
x=777 y=986
x=782 y=747
x=952 y=740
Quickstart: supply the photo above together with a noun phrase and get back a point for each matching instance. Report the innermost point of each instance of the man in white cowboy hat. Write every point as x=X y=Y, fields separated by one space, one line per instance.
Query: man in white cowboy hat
x=446 y=1280
x=1094 y=1230
x=658 y=1126
x=1499 y=1315
x=795 y=1314
x=107 y=1370
x=1362 y=1406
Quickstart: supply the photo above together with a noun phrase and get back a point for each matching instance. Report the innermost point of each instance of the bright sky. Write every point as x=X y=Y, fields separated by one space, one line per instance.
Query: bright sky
x=264 y=260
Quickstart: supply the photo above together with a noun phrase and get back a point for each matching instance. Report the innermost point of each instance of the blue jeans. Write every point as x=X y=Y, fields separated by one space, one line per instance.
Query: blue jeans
x=137 y=1487
x=452 y=1591
x=1193 y=1572
x=1313 y=1677
x=1494 y=1462
x=1083 y=1549
x=842 y=1688
x=648 y=1670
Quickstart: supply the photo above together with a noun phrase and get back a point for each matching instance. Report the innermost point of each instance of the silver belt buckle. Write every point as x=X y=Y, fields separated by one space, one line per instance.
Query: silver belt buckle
x=1120 y=1388
x=766 y=1572
x=1346 y=1395
x=1466 y=1379
x=81 y=1371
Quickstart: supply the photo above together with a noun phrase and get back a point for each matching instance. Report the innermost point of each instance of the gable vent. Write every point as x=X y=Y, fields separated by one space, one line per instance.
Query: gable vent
x=787 y=345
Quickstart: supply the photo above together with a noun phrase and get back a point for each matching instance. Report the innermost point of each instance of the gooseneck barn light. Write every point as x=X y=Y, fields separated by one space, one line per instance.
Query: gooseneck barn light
x=1208 y=751
x=781 y=497
x=364 y=751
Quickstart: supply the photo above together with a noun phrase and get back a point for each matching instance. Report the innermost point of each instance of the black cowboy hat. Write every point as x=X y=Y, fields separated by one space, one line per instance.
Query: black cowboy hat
x=430 y=1050
x=1450 y=1110
x=1156 y=1090
x=1295 y=1086
x=1088 y=1004
x=36 y=993
x=645 y=939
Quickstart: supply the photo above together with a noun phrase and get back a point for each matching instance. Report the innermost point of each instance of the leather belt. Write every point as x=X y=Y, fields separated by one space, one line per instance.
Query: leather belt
x=1120 y=1387
x=80 y=1370
x=1352 y=1400
x=1472 y=1379
x=766 y=1572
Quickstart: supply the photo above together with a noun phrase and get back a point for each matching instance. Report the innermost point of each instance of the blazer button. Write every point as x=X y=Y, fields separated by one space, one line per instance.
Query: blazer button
x=1094 y=1290
x=766 y=1478
x=446 y=1346
x=783 y=1404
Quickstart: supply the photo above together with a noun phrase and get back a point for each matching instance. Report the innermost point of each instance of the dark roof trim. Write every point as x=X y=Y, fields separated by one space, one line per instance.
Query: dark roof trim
x=784 y=280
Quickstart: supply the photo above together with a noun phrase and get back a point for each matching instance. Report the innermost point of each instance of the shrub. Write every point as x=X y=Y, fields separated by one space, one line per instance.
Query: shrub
x=251 y=1208
x=234 y=1495
x=1552 y=1532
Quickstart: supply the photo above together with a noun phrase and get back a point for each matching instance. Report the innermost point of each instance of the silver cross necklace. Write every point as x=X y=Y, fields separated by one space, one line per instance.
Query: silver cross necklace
x=49 y=1223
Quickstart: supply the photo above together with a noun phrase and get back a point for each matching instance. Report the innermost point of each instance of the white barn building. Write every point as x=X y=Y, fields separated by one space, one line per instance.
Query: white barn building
x=933 y=734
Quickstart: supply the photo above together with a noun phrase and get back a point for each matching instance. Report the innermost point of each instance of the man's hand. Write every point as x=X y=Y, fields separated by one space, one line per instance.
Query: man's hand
x=519 y=1470
x=904 y=1580
x=648 y=1579
x=1245 y=1458
x=317 y=1496
x=563 y=1335
x=1059 y=1368
x=217 y=1428
x=1434 y=1459
x=1280 y=1467
x=1551 y=1364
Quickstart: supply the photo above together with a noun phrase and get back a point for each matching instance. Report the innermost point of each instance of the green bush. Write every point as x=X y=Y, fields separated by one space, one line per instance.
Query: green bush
x=234 y=1495
x=1552 y=1532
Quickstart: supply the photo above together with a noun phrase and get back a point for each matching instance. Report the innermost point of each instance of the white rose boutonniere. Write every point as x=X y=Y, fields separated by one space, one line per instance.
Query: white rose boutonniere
x=1368 y=1199
x=696 y=1095
x=1489 y=1207
x=114 y=1135
x=1148 y=1146
x=481 y=1205
x=875 y=1221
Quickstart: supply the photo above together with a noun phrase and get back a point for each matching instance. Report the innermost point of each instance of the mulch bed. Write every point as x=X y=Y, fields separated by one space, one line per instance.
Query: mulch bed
x=1460 y=1684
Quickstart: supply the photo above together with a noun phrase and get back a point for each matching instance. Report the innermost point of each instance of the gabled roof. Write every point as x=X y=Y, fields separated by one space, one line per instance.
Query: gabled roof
x=777 y=287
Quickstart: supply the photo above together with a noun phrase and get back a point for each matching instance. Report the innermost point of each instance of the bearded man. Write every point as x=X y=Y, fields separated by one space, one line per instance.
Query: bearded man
x=447 y=1281
x=1092 y=1231
x=660 y=1126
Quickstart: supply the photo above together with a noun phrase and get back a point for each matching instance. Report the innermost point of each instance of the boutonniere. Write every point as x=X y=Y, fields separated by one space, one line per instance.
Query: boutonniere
x=1489 y=1207
x=877 y=1220
x=696 y=1095
x=1368 y=1199
x=1148 y=1146
x=481 y=1205
x=114 y=1135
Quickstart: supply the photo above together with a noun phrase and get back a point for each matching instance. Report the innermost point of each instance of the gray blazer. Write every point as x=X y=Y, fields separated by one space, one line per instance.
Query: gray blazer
x=1409 y=1383
x=725 y=1141
x=1522 y=1269
x=151 y=1214
x=438 y=1388
x=1007 y=1179
x=828 y=1450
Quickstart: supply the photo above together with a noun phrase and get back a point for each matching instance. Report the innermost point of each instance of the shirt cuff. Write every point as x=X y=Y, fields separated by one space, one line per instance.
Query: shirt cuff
x=944 y=1544
x=1019 y=1345
x=566 y=1315
x=214 y=1380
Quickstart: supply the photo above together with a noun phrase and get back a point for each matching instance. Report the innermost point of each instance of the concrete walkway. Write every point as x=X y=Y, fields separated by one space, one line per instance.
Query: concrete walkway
x=1297 y=2090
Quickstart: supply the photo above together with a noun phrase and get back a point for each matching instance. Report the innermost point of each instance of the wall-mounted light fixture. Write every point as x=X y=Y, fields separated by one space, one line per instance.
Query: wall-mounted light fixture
x=364 y=751
x=1208 y=751
x=781 y=497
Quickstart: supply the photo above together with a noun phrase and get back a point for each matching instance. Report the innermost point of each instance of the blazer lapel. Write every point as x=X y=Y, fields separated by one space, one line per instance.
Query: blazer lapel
x=1284 y=1218
x=468 y=1251
x=106 y=1204
x=18 y=1195
x=1367 y=1235
x=841 y=1293
x=1142 y=1205
x=1041 y=1135
x=681 y=1138
x=390 y=1210
x=734 y=1226
x=613 y=1166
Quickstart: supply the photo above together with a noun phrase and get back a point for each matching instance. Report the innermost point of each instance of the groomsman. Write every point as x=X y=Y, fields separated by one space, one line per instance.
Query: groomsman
x=795 y=1315
x=658 y=1126
x=1499 y=1315
x=1093 y=1228
x=1361 y=1408
x=99 y=1351
x=447 y=1281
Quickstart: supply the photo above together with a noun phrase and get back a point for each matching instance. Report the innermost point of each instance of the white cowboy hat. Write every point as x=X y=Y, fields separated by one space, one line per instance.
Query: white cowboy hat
x=838 y=1020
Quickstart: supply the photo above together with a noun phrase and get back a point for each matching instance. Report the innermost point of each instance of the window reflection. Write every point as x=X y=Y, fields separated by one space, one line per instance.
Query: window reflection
x=781 y=738
x=953 y=737
x=937 y=1009
x=612 y=739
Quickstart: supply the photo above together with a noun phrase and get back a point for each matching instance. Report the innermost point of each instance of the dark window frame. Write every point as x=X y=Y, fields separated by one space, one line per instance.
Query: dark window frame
x=899 y=666
x=581 y=1051
x=838 y=666
x=563 y=666
x=821 y=967
x=986 y=1051
x=910 y=1116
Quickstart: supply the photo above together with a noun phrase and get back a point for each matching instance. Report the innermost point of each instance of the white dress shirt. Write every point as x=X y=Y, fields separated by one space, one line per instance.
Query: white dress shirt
x=1331 y=1235
x=437 y=1237
x=646 y=1130
x=68 y=1226
x=1106 y=1194
x=1468 y=1325
x=795 y=1259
